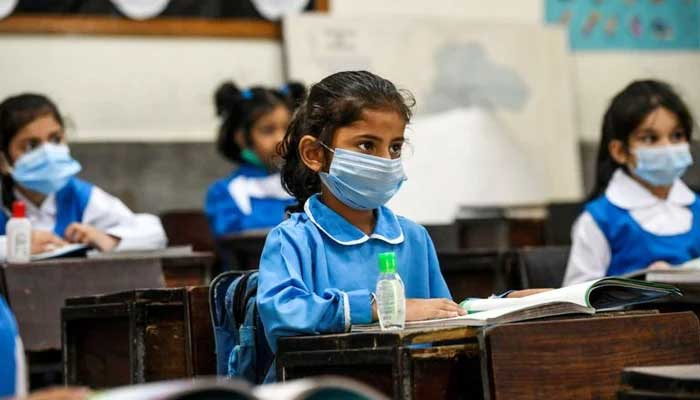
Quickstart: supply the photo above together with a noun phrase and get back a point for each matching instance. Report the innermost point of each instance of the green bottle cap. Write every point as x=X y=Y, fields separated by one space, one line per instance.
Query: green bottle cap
x=387 y=262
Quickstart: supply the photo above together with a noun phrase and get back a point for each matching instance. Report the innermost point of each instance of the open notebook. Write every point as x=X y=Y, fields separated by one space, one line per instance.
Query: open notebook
x=329 y=387
x=587 y=297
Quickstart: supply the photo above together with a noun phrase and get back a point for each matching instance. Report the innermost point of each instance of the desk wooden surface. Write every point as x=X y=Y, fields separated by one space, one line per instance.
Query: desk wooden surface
x=152 y=334
x=37 y=291
x=566 y=358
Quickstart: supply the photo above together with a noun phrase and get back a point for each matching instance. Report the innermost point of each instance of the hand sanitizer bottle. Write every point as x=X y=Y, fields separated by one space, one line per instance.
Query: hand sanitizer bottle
x=18 y=235
x=391 y=300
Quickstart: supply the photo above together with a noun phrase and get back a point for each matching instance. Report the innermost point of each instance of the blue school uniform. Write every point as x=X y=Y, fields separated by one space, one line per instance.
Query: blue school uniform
x=8 y=361
x=317 y=270
x=623 y=233
x=250 y=198
x=71 y=202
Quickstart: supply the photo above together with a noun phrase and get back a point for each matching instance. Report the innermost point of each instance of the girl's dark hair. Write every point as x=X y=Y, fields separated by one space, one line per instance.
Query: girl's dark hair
x=239 y=109
x=16 y=112
x=336 y=101
x=626 y=112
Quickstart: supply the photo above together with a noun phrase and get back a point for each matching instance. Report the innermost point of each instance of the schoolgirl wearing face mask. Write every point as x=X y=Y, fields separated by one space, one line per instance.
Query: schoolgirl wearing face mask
x=37 y=168
x=640 y=213
x=342 y=163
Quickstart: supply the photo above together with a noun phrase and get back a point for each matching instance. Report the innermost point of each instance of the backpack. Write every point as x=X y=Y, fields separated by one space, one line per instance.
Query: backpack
x=241 y=346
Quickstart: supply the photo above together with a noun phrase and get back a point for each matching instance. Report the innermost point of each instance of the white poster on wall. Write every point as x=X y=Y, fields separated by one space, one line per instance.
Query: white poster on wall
x=516 y=75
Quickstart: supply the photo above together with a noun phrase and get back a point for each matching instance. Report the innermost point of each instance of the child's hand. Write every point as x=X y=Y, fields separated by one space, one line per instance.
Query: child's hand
x=421 y=309
x=660 y=265
x=86 y=234
x=526 y=292
x=45 y=241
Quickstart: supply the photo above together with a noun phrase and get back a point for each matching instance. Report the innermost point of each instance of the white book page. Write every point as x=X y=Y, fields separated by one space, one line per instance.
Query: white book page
x=573 y=294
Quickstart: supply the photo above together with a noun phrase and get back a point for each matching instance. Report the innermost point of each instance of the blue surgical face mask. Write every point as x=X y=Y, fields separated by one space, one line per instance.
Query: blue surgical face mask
x=362 y=181
x=46 y=169
x=661 y=166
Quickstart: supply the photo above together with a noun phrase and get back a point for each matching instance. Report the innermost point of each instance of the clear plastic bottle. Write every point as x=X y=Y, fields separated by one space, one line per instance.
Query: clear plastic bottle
x=18 y=235
x=391 y=298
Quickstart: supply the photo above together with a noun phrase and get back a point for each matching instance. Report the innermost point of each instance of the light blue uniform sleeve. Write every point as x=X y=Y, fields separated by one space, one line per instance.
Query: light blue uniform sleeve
x=286 y=304
x=222 y=212
x=438 y=287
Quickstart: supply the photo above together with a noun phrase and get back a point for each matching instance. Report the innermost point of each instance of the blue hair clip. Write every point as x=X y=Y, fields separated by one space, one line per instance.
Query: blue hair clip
x=284 y=89
x=247 y=94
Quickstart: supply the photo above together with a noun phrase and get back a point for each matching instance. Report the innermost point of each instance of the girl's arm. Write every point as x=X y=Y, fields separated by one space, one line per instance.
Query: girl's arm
x=222 y=212
x=108 y=215
x=590 y=252
x=438 y=286
x=288 y=306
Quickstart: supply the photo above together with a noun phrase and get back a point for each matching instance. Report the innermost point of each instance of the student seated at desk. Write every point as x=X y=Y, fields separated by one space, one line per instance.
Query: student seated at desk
x=13 y=366
x=37 y=168
x=254 y=123
x=342 y=157
x=640 y=213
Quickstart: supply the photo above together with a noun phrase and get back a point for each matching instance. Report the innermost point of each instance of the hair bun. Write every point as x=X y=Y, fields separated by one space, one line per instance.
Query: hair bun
x=295 y=92
x=227 y=97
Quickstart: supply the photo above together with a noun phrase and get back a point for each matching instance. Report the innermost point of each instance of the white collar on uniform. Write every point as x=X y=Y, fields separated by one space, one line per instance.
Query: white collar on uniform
x=243 y=188
x=625 y=192
x=47 y=207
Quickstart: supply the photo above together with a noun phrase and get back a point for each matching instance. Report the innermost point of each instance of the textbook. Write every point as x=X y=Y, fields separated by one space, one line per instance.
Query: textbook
x=583 y=298
x=329 y=387
x=688 y=272
x=69 y=250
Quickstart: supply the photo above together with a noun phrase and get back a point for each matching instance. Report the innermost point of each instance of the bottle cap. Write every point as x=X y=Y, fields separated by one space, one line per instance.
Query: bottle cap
x=18 y=209
x=387 y=262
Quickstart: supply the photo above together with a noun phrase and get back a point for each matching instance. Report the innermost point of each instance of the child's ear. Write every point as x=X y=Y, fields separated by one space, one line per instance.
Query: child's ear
x=239 y=138
x=311 y=153
x=4 y=165
x=618 y=152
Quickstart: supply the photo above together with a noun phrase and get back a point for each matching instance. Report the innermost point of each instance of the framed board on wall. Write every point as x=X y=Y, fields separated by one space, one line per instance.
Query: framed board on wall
x=193 y=18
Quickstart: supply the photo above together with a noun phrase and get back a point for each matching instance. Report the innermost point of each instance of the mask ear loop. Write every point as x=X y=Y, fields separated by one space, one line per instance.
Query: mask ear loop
x=325 y=146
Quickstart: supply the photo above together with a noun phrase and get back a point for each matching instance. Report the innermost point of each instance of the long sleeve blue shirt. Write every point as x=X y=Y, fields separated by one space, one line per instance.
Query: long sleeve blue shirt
x=249 y=198
x=317 y=270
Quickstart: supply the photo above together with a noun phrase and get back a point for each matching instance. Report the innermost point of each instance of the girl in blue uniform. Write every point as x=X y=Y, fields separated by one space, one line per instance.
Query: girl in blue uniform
x=640 y=213
x=37 y=168
x=253 y=124
x=342 y=156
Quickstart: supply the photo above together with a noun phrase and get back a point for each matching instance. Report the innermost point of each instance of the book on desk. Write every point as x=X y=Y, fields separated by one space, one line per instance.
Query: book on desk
x=583 y=298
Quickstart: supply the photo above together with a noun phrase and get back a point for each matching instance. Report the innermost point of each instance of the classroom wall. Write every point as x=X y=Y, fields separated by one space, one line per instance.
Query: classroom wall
x=141 y=100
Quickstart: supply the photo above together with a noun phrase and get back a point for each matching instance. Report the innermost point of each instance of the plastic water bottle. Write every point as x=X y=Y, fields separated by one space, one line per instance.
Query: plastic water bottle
x=18 y=235
x=391 y=298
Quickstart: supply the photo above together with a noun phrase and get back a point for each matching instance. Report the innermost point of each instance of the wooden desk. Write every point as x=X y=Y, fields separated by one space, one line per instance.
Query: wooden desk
x=242 y=251
x=36 y=291
x=474 y=273
x=571 y=358
x=151 y=334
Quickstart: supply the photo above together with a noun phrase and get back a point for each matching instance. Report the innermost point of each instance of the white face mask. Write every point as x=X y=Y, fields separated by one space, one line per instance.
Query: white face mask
x=661 y=166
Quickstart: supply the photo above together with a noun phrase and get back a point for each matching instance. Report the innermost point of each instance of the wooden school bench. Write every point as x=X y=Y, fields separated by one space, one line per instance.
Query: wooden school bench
x=138 y=336
x=562 y=358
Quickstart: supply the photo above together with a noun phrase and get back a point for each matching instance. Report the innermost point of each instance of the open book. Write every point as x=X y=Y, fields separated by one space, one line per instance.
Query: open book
x=329 y=387
x=587 y=297
x=69 y=250
x=688 y=272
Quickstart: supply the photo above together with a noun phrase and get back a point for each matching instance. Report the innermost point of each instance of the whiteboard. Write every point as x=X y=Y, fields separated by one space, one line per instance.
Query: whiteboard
x=516 y=74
